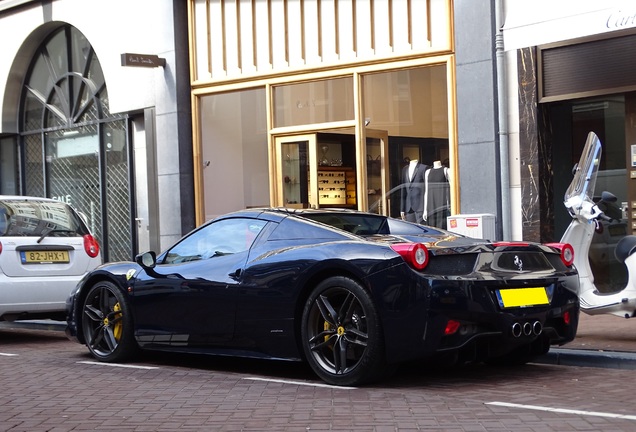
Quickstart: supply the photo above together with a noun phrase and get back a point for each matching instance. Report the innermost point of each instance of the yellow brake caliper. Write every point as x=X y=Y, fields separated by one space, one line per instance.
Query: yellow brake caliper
x=117 y=328
x=326 y=327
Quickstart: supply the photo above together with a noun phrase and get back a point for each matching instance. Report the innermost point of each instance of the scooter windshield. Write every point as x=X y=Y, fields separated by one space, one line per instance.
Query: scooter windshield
x=584 y=179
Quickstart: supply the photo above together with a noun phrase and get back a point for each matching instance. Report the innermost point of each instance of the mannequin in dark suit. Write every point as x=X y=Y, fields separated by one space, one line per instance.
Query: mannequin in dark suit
x=437 y=196
x=412 y=199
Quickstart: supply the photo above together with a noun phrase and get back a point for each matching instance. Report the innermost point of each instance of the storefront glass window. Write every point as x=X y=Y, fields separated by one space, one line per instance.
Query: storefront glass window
x=411 y=105
x=118 y=190
x=606 y=117
x=234 y=151
x=72 y=168
x=406 y=116
x=8 y=167
x=313 y=102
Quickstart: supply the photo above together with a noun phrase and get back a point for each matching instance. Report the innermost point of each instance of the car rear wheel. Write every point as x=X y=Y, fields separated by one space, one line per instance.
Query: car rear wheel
x=107 y=323
x=341 y=333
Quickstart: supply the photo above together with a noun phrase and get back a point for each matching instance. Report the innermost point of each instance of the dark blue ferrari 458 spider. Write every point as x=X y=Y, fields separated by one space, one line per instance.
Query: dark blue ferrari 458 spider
x=354 y=294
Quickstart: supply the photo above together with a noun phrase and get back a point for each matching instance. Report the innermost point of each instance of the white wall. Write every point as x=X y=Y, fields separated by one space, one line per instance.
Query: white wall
x=545 y=21
x=112 y=27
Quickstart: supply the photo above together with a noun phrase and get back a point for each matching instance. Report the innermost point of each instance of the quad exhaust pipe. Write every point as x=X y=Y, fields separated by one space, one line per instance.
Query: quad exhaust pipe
x=526 y=329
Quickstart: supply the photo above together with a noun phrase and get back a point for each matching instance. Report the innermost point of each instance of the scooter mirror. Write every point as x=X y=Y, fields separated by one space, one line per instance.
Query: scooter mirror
x=574 y=168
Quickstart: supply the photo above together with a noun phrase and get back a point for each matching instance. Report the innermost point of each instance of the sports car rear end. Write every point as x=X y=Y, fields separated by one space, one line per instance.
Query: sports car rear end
x=474 y=300
x=500 y=302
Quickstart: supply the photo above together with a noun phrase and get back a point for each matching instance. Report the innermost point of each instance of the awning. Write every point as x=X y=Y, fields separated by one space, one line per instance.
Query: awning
x=546 y=21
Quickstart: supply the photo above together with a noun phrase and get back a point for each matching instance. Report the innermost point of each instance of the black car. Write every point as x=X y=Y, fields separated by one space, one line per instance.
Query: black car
x=354 y=294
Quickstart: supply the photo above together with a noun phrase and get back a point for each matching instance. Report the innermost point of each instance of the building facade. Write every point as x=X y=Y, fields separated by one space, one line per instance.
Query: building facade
x=571 y=71
x=154 y=116
x=314 y=103
x=95 y=111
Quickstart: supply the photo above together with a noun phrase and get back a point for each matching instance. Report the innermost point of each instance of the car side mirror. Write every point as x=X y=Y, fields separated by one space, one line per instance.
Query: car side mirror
x=147 y=260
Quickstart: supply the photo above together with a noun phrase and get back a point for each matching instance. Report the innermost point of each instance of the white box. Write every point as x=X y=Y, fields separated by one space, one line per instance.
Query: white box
x=481 y=226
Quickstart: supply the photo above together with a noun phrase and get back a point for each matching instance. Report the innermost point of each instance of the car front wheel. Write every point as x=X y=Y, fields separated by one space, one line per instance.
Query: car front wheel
x=107 y=323
x=341 y=333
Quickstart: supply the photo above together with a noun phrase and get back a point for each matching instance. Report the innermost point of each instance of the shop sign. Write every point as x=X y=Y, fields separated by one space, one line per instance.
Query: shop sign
x=621 y=19
x=546 y=22
x=142 y=60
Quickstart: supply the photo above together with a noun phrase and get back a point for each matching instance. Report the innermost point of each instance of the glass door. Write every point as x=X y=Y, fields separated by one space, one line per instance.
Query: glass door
x=377 y=175
x=296 y=174
x=322 y=170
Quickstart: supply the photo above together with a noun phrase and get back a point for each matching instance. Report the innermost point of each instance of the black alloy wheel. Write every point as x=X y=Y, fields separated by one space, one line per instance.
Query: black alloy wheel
x=107 y=323
x=341 y=333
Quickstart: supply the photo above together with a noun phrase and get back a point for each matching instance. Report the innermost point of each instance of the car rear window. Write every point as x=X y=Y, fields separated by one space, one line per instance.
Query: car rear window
x=292 y=228
x=360 y=224
x=35 y=218
x=400 y=227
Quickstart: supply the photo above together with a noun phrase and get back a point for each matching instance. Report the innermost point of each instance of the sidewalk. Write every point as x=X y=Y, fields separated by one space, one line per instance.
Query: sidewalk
x=601 y=341
x=605 y=333
x=34 y=325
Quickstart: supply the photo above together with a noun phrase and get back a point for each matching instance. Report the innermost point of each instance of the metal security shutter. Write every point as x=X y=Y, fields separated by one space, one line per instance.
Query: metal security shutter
x=587 y=69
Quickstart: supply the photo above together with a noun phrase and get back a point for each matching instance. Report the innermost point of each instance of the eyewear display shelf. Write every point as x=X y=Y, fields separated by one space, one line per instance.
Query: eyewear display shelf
x=337 y=187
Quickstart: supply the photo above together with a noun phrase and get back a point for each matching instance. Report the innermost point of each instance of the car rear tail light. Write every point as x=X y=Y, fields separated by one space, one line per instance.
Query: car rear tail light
x=566 y=250
x=91 y=246
x=451 y=327
x=415 y=254
x=0 y=247
x=567 y=318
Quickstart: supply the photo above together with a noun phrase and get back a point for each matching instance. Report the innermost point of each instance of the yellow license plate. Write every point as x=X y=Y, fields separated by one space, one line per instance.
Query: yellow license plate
x=44 y=257
x=522 y=297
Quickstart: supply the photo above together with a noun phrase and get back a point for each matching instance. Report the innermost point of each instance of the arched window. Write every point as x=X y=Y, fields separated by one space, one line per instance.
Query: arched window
x=72 y=148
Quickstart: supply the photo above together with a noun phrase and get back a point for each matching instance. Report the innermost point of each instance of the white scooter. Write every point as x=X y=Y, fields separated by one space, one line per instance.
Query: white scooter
x=586 y=220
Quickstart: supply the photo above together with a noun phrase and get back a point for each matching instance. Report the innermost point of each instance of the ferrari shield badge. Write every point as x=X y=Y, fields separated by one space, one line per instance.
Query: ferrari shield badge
x=130 y=273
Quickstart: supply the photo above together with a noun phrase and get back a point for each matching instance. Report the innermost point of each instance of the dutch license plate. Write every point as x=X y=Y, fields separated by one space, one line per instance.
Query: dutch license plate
x=522 y=297
x=44 y=257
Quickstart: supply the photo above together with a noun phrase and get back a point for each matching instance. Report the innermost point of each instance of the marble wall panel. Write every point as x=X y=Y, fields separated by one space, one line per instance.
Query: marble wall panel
x=534 y=153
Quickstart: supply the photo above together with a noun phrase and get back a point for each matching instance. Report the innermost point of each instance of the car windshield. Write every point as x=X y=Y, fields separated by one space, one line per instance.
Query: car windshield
x=586 y=170
x=38 y=218
x=220 y=238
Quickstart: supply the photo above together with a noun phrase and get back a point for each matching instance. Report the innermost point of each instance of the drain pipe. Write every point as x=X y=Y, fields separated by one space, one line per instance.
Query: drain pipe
x=502 y=104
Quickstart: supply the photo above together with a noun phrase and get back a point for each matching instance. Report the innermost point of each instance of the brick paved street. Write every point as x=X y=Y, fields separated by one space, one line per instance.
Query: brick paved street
x=51 y=384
